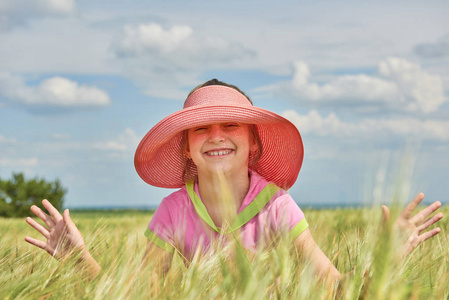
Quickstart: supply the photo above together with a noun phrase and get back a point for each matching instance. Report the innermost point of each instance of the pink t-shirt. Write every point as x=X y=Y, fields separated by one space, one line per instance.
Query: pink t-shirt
x=181 y=222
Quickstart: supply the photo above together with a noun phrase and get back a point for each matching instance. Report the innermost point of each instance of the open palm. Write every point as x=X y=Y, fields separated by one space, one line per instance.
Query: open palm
x=411 y=229
x=63 y=237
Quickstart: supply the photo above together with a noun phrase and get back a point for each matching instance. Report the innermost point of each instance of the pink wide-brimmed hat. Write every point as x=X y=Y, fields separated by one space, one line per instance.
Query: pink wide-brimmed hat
x=160 y=159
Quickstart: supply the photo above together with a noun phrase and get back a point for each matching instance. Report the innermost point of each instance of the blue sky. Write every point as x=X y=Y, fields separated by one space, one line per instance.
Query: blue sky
x=366 y=83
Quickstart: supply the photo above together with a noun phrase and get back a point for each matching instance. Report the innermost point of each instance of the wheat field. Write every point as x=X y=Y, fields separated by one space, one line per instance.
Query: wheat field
x=351 y=238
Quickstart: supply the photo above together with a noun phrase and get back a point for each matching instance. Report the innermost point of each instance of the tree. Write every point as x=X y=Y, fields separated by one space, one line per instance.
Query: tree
x=18 y=194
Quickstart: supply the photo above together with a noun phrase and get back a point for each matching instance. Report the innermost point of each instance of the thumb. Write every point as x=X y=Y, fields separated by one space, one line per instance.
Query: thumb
x=385 y=215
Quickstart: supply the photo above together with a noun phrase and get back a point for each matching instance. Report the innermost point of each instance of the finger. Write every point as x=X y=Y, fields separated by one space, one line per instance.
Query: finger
x=68 y=220
x=41 y=229
x=43 y=216
x=425 y=213
x=385 y=214
x=408 y=210
x=429 y=222
x=66 y=216
x=37 y=243
x=52 y=210
x=429 y=234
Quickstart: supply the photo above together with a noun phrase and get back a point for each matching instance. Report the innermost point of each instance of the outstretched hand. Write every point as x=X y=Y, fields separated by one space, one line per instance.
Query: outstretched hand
x=411 y=230
x=63 y=237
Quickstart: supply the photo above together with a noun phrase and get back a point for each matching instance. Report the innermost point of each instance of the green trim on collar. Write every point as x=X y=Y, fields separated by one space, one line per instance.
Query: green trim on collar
x=255 y=206
x=152 y=237
x=199 y=206
x=244 y=216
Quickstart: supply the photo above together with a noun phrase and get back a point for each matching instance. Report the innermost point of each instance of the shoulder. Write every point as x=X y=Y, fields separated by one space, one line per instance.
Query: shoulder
x=176 y=199
x=259 y=183
x=281 y=201
x=172 y=204
x=170 y=207
x=282 y=196
x=264 y=193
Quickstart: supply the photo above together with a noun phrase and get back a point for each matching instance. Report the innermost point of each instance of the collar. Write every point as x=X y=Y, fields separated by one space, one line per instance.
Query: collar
x=253 y=203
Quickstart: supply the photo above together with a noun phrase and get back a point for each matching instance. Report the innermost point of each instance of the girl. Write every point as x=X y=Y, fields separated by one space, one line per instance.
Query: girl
x=232 y=163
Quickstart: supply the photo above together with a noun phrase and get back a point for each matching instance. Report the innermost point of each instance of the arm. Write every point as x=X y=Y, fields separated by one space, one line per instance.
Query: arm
x=411 y=230
x=159 y=262
x=159 y=259
x=290 y=215
x=62 y=235
x=308 y=248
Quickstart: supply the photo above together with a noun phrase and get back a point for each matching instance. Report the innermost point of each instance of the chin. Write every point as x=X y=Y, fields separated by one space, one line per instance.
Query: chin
x=227 y=169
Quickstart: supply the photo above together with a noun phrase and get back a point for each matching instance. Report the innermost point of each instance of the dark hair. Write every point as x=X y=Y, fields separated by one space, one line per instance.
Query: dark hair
x=218 y=82
x=254 y=157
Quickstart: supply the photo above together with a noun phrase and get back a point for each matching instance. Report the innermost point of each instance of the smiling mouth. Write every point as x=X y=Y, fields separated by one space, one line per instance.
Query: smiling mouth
x=218 y=152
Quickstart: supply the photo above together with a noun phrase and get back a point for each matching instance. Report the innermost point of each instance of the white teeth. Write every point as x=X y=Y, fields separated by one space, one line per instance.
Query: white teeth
x=220 y=152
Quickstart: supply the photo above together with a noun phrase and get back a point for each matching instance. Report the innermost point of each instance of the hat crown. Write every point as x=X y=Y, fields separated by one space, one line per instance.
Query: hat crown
x=216 y=95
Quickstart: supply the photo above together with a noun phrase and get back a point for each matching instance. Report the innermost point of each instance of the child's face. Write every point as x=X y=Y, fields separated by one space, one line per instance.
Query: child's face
x=223 y=146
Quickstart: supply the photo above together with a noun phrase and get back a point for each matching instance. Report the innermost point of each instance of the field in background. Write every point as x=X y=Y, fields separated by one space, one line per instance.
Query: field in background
x=352 y=238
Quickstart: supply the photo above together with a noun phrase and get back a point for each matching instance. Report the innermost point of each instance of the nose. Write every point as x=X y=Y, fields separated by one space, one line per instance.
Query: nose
x=216 y=134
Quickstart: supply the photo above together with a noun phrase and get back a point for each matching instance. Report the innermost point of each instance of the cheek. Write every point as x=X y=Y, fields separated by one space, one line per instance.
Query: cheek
x=242 y=133
x=193 y=144
x=244 y=139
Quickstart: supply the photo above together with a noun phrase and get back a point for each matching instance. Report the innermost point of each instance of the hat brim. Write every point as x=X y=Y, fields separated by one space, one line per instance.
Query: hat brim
x=160 y=161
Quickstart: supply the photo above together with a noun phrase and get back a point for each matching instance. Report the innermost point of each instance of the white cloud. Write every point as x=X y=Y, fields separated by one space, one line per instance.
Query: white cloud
x=399 y=84
x=347 y=87
x=55 y=91
x=19 y=163
x=419 y=89
x=314 y=123
x=18 y=12
x=164 y=59
x=61 y=136
x=124 y=142
x=146 y=38
x=180 y=45
x=55 y=6
x=4 y=140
